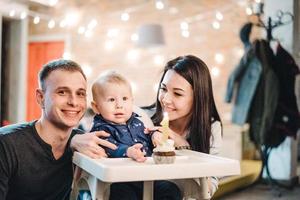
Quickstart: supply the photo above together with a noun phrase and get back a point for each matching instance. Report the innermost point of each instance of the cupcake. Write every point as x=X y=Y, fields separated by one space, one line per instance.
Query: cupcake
x=164 y=153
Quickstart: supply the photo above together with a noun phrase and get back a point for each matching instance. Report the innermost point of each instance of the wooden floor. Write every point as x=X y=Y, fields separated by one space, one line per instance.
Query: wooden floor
x=237 y=188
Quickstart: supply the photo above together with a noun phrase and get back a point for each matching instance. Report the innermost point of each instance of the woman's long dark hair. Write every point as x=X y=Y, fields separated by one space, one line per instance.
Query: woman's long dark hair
x=204 y=111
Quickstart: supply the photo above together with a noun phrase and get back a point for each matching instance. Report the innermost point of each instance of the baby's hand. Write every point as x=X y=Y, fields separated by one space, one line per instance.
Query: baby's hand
x=156 y=138
x=136 y=153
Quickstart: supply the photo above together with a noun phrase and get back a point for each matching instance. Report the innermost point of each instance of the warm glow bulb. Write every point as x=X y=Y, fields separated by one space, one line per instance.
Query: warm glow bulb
x=125 y=17
x=113 y=32
x=81 y=30
x=216 y=25
x=23 y=15
x=93 y=23
x=67 y=56
x=219 y=16
x=184 y=26
x=215 y=71
x=159 y=5
x=36 y=20
x=51 y=24
x=185 y=33
x=249 y=11
x=219 y=58
x=12 y=13
x=134 y=37
x=109 y=45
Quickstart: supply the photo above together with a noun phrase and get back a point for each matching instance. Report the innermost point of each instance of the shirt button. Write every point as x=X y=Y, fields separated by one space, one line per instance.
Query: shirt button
x=135 y=140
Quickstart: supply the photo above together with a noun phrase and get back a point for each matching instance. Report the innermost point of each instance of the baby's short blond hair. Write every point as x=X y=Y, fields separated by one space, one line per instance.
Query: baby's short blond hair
x=109 y=76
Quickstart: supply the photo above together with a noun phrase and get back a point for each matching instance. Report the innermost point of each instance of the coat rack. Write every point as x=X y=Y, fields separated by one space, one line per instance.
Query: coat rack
x=282 y=18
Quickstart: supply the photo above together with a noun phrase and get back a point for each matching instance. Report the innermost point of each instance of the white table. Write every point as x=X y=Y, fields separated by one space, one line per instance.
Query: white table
x=98 y=174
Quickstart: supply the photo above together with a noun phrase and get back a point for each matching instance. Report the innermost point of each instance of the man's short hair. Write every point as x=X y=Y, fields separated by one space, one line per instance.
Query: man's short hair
x=59 y=64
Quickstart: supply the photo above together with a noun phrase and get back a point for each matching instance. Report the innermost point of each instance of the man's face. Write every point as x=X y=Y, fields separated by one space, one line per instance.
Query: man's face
x=64 y=98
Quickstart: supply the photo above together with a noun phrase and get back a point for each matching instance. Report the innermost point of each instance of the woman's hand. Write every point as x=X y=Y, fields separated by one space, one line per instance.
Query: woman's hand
x=156 y=136
x=88 y=144
x=136 y=153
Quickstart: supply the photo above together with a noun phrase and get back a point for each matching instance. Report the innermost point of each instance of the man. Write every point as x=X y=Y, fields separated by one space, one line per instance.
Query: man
x=35 y=157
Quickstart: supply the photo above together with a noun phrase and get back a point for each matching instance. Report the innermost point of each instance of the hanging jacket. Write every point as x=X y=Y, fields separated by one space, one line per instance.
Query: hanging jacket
x=243 y=82
x=265 y=100
x=287 y=118
x=297 y=91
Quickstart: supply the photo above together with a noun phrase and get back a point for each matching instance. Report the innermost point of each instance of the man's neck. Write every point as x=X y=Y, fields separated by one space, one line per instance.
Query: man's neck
x=54 y=136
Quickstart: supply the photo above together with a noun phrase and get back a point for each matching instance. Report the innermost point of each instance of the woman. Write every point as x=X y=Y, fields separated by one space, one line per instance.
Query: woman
x=186 y=94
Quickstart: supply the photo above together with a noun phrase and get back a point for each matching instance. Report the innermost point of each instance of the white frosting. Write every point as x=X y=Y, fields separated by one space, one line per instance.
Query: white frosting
x=166 y=146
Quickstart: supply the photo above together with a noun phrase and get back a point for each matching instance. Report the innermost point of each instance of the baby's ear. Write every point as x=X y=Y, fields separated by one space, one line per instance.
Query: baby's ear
x=94 y=107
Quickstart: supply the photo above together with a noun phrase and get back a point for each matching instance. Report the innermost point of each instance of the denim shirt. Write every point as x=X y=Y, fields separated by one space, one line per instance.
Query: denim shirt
x=243 y=81
x=123 y=135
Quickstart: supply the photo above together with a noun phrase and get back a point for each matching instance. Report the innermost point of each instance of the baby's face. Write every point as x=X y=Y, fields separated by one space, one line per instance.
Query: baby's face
x=115 y=102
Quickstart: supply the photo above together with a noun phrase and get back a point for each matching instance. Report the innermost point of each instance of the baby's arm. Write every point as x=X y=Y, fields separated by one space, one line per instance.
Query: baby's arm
x=121 y=149
x=136 y=153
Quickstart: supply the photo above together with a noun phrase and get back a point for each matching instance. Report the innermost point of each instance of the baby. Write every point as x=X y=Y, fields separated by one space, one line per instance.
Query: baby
x=113 y=105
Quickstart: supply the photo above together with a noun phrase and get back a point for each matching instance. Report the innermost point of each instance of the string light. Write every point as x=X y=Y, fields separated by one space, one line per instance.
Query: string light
x=215 y=71
x=88 y=33
x=109 y=45
x=113 y=32
x=219 y=58
x=12 y=13
x=159 y=5
x=51 y=24
x=81 y=30
x=184 y=26
x=53 y=2
x=249 y=11
x=23 y=15
x=62 y=23
x=92 y=24
x=219 y=16
x=134 y=37
x=216 y=25
x=67 y=55
x=125 y=17
x=36 y=20
x=185 y=33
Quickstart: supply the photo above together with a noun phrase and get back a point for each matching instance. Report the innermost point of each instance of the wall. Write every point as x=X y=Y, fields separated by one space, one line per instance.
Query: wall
x=204 y=41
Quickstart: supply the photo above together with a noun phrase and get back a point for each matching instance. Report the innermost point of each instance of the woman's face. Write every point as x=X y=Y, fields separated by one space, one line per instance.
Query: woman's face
x=176 y=96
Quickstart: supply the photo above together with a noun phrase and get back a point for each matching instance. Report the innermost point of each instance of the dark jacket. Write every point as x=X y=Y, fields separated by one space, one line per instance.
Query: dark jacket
x=265 y=100
x=287 y=118
x=123 y=136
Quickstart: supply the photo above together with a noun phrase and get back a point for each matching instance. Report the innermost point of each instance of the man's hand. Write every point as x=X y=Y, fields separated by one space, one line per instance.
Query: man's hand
x=135 y=153
x=88 y=144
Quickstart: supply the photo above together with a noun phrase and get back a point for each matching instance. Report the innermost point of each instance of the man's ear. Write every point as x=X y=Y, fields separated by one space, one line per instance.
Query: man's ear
x=39 y=95
x=95 y=107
